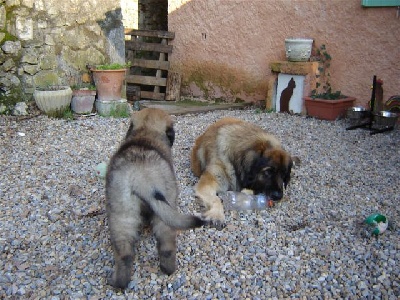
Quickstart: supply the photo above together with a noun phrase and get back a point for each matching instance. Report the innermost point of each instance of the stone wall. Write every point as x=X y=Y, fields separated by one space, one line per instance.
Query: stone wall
x=46 y=42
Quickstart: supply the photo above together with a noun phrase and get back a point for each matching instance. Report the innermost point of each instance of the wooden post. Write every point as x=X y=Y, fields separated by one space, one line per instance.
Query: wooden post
x=159 y=73
x=173 y=90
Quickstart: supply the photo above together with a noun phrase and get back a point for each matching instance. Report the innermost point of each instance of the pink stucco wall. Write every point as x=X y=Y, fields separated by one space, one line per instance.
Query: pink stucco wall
x=223 y=47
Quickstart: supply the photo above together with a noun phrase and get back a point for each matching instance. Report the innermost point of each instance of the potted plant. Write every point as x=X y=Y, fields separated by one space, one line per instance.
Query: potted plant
x=109 y=80
x=324 y=103
x=83 y=97
x=53 y=100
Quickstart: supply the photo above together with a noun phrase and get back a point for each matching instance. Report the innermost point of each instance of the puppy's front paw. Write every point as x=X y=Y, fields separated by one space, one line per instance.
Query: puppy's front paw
x=214 y=219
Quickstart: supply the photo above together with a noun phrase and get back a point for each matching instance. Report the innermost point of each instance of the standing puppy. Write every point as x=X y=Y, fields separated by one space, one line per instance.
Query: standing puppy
x=141 y=186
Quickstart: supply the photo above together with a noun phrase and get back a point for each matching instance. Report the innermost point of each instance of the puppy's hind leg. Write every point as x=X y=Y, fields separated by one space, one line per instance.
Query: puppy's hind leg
x=166 y=245
x=124 y=235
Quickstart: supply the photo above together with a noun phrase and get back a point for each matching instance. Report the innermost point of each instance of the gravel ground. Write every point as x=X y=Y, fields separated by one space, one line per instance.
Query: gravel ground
x=54 y=242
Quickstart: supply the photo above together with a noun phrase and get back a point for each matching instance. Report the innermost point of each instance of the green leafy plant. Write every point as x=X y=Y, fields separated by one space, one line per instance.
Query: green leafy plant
x=260 y=110
x=270 y=110
x=68 y=114
x=81 y=81
x=113 y=66
x=119 y=112
x=64 y=113
x=83 y=86
x=323 y=88
x=51 y=87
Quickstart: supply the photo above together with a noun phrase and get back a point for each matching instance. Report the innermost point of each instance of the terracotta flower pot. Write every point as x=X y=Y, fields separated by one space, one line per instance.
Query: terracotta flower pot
x=109 y=83
x=82 y=101
x=327 y=109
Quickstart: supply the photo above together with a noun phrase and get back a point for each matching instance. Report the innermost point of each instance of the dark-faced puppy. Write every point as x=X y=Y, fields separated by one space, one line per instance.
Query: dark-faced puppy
x=235 y=155
x=269 y=174
x=141 y=188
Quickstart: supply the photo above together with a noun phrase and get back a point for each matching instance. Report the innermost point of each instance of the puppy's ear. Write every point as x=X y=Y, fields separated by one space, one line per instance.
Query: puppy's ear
x=170 y=132
x=131 y=124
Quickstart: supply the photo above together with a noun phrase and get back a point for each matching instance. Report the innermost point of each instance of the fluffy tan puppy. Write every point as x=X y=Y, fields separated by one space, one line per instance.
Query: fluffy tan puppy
x=141 y=189
x=234 y=155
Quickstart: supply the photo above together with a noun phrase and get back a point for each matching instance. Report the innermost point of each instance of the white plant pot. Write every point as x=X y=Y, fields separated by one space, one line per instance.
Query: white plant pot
x=298 y=49
x=53 y=99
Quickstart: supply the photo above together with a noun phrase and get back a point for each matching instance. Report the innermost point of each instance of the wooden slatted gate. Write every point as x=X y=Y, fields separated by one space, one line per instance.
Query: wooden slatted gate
x=140 y=41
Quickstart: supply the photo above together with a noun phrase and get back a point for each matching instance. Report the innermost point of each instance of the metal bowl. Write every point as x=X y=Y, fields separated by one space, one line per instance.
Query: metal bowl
x=386 y=118
x=357 y=112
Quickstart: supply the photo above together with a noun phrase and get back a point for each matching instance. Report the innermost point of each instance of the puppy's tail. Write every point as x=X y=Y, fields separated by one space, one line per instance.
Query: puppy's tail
x=171 y=216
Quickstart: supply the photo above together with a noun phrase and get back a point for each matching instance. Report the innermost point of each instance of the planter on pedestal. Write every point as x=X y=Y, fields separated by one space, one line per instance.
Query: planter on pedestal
x=109 y=83
x=327 y=109
x=109 y=80
x=298 y=49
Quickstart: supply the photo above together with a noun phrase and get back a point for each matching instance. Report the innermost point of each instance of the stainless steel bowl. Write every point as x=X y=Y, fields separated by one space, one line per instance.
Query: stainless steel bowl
x=386 y=118
x=357 y=112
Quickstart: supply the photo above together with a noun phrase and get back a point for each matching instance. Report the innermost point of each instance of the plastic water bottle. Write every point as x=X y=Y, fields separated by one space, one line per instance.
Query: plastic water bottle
x=241 y=201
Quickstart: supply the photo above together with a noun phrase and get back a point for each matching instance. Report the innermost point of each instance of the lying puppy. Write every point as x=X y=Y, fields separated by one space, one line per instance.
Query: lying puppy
x=234 y=155
x=141 y=186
